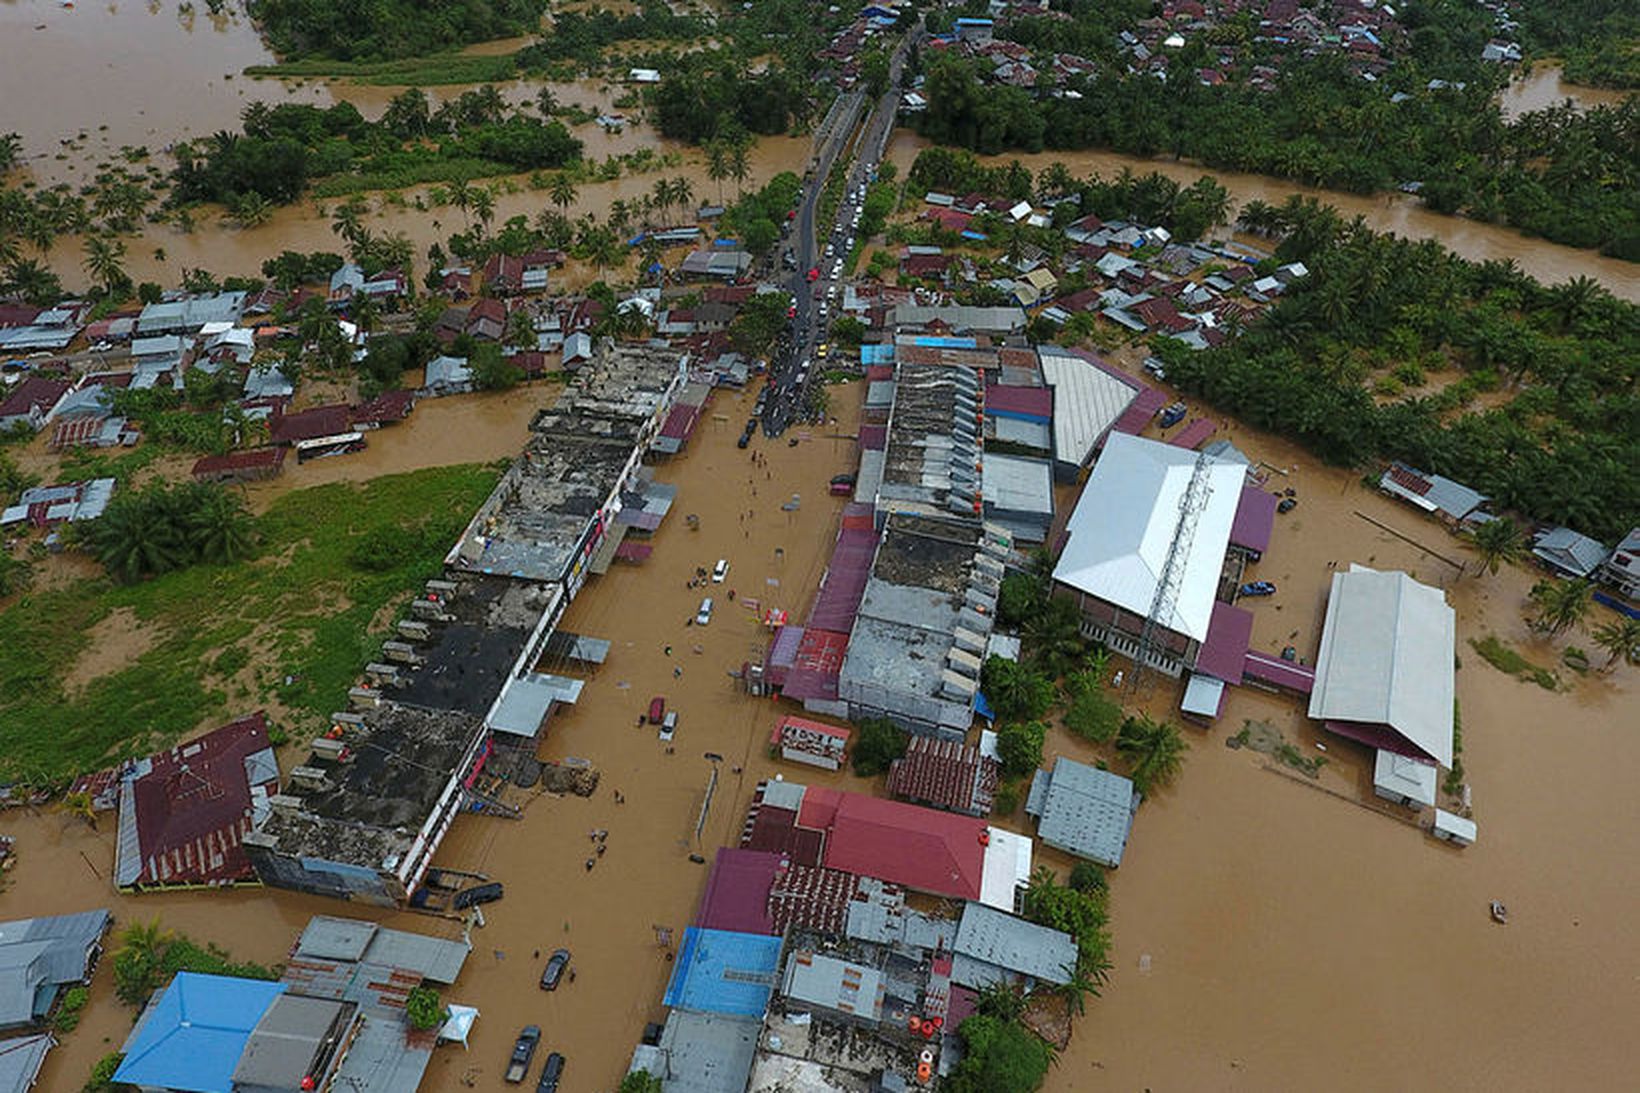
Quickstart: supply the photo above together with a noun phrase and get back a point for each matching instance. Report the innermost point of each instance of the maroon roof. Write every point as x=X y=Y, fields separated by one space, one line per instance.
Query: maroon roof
x=925 y=265
x=385 y=407
x=254 y=459
x=1255 y=519
x=34 y=394
x=17 y=314
x=1140 y=411
x=310 y=424
x=1224 y=654
x=1033 y=402
x=873 y=438
x=1193 y=434
x=816 y=665
x=775 y=829
x=844 y=582
x=1378 y=735
x=1085 y=300
x=944 y=774
x=192 y=806
x=1160 y=311
x=680 y=421
x=737 y=891
x=1279 y=672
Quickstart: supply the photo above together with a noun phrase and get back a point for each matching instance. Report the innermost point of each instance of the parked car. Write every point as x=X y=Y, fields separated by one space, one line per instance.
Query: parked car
x=550 y=1073
x=704 y=615
x=720 y=571
x=472 y=897
x=1287 y=504
x=557 y=964
x=745 y=439
x=1258 y=588
x=814 y=273
x=669 y=726
x=657 y=709
x=1172 y=415
x=523 y=1053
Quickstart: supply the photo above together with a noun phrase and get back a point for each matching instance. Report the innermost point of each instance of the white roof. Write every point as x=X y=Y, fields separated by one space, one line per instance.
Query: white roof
x=1126 y=520
x=1405 y=776
x=1007 y=865
x=1202 y=695
x=1454 y=824
x=1087 y=400
x=1386 y=658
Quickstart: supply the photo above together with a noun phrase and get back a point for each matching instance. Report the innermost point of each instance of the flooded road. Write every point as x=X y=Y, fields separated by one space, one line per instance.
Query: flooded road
x=1545 y=86
x=1400 y=214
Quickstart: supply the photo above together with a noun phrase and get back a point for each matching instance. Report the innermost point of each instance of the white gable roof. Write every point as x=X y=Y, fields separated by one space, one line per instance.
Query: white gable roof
x=1386 y=658
x=1125 y=522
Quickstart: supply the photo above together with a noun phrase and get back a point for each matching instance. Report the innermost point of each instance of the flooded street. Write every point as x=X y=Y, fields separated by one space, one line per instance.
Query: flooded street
x=1400 y=214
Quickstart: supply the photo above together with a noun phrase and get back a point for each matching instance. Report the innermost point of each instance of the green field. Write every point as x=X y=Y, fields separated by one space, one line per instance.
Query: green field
x=442 y=69
x=222 y=641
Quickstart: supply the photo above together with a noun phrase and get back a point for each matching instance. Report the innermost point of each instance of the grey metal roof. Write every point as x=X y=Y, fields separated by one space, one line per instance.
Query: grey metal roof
x=382 y=1059
x=329 y=938
x=1083 y=810
x=1019 y=484
x=37 y=955
x=21 y=1059
x=839 y=985
x=1005 y=941
x=707 y=1052
x=960 y=317
x=1570 y=551
x=282 y=1046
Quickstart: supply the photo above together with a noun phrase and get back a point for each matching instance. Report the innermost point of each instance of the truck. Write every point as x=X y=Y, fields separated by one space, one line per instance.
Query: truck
x=523 y=1053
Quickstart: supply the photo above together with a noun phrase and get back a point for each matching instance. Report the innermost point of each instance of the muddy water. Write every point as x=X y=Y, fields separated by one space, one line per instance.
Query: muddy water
x=1545 y=86
x=1397 y=213
x=1293 y=938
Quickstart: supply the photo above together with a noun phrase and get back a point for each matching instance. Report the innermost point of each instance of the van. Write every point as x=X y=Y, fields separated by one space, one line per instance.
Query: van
x=704 y=615
x=720 y=571
x=669 y=726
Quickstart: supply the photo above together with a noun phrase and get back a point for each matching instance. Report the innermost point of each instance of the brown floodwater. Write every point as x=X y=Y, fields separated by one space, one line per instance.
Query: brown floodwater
x=1397 y=213
x=1545 y=86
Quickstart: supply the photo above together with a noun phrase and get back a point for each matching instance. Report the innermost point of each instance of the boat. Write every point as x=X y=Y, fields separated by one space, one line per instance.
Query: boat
x=1500 y=913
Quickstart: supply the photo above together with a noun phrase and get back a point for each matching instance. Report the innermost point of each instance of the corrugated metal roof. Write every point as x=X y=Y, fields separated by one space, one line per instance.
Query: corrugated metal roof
x=1012 y=944
x=1083 y=810
x=21 y=1059
x=37 y=953
x=1087 y=402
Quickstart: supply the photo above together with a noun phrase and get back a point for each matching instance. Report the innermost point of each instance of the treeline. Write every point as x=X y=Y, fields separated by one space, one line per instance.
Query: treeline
x=709 y=96
x=373 y=30
x=284 y=148
x=1388 y=313
x=1571 y=178
x=583 y=36
x=1598 y=41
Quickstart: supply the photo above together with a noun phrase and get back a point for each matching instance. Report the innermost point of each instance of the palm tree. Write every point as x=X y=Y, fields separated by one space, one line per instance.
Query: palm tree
x=483 y=201
x=348 y=219
x=562 y=191
x=1560 y=605
x=740 y=165
x=1155 y=750
x=147 y=939
x=33 y=282
x=1054 y=636
x=546 y=102
x=717 y=164
x=104 y=257
x=1087 y=976
x=1499 y=542
x=251 y=210
x=219 y=528
x=11 y=151
x=81 y=805
x=663 y=195
x=461 y=196
x=1621 y=640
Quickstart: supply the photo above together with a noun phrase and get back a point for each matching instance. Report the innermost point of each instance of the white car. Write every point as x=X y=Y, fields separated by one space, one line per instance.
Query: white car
x=704 y=615
x=720 y=571
x=669 y=726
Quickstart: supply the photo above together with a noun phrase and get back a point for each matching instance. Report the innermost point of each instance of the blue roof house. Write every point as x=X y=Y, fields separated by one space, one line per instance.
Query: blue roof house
x=724 y=971
x=191 y=1038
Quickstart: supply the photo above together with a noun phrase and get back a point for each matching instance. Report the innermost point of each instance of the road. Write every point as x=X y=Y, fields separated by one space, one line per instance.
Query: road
x=791 y=365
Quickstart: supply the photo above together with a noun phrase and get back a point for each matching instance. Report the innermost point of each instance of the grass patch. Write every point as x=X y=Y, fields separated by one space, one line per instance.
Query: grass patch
x=418 y=170
x=441 y=69
x=303 y=605
x=1506 y=660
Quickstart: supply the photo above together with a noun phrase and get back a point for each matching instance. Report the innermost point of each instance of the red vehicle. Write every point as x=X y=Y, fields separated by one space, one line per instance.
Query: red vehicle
x=791 y=312
x=792 y=215
x=657 y=709
x=814 y=273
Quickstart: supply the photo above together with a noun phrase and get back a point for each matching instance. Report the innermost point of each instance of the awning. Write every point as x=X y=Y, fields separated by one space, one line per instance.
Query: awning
x=608 y=548
x=458 y=1024
x=1224 y=654
x=1203 y=696
x=634 y=552
x=525 y=701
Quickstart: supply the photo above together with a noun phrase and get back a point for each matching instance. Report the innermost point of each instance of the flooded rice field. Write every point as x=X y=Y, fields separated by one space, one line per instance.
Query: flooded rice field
x=1397 y=213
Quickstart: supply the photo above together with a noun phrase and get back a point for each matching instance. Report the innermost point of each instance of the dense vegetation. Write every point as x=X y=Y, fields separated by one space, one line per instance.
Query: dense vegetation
x=1598 y=41
x=150 y=956
x=1389 y=314
x=1573 y=178
x=381 y=29
x=301 y=613
x=160 y=528
x=284 y=148
x=756 y=218
x=706 y=96
x=583 y=36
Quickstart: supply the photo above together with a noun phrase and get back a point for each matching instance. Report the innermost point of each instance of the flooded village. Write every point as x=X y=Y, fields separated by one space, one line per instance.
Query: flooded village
x=739 y=669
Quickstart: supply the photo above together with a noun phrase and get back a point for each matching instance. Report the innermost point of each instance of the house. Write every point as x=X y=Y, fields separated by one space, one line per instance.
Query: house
x=643 y=75
x=1569 y=553
x=1083 y=810
x=1452 y=502
x=186 y=316
x=31 y=403
x=944 y=774
x=1384 y=673
x=995 y=948
x=224 y=1034
x=814 y=742
x=41 y=957
x=726 y=264
x=1119 y=539
x=1403 y=779
x=184 y=811
x=840 y=989
x=44 y=506
x=251 y=465
x=447 y=375
x=387 y=408
x=1622 y=569
x=21 y=1060
x=487 y=320
x=1034 y=286
x=508 y=275
x=310 y=424
x=724 y=972
x=350 y=281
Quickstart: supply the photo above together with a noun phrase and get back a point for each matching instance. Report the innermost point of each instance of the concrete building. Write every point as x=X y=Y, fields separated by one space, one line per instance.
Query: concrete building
x=841 y=989
x=41 y=957
x=1622 y=569
x=1120 y=535
x=1384 y=673
x=1083 y=810
x=701 y=1052
x=1018 y=495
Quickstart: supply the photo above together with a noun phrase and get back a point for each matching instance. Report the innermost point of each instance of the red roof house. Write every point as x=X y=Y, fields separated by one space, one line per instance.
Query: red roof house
x=184 y=812
x=927 y=851
x=944 y=774
x=31 y=401
x=239 y=466
x=310 y=424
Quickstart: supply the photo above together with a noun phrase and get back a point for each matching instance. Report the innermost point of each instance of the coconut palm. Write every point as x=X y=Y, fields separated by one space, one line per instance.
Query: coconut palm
x=483 y=202
x=717 y=164
x=33 y=282
x=348 y=220
x=1499 y=542
x=682 y=192
x=219 y=528
x=1155 y=750
x=562 y=191
x=1560 y=605
x=740 y=166
x=1621 y=640
x=11 y=151
x=104 y=258
x=251 y=210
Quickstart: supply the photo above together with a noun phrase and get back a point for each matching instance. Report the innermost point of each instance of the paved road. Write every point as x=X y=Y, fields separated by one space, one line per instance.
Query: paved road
x=791 y=366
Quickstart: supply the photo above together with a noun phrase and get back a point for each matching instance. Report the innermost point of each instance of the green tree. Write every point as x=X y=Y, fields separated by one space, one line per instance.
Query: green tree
x=1499 y=542
x=1560 y=605
x=1154 y=750
x=640 y=1081
x=878 y=742
x=424 y=1009
x=562 y=191
x=999 y=1057
x=1014 y=690
x=219 y=527
x=492 y=371
x=1621 y=641
x=104 y=261
x=1019 y=747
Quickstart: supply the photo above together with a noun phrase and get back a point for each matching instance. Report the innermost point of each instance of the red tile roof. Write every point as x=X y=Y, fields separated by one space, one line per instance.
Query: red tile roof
x=928 y=851
x=944 y=774
x=387 y=406
x=257 y=459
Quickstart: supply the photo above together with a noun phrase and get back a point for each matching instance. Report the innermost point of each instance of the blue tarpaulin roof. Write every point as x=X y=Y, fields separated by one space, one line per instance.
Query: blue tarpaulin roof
x=192 y=1038
x=982 y=706
x=943 y=342
x=722 y=971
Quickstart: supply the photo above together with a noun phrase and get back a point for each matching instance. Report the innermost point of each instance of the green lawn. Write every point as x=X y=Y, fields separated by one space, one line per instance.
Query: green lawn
x=331 y=558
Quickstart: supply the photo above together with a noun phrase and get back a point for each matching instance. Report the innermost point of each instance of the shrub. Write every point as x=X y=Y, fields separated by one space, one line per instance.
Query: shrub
x=1006 y=802
x=1087 y=877
x=1019 y=746
x=102 y=1075
x=68 y=1009
x=880 y=742
x=424 y=1009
